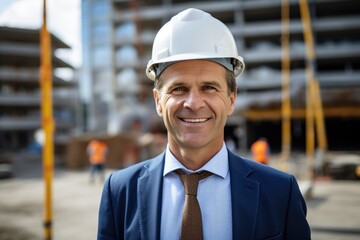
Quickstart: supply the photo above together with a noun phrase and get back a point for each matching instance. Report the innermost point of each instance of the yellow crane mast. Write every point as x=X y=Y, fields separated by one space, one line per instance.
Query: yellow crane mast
x=314 y=108
x=285 y=81
x=47 y=122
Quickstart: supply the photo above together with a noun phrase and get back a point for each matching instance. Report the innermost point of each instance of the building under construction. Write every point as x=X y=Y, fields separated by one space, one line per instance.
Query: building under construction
x=117 y=40
x=20 y=100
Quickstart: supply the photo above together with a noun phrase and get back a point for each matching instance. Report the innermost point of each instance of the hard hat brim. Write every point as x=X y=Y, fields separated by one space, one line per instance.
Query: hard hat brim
x=237 y=62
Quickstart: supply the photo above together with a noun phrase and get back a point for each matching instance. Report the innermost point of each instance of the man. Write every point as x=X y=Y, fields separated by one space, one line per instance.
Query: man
x=97 y=151
x=260 y=151
x=194 y=64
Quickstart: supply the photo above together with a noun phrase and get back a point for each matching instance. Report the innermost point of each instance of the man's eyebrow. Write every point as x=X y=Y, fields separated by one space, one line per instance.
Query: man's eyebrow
x=212 y=83
x=175 y=84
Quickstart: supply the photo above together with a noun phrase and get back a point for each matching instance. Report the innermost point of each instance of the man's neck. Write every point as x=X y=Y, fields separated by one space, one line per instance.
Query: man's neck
x=194 y=158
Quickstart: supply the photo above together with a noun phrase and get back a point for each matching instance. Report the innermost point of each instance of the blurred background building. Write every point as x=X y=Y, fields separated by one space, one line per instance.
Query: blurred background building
x=117 y=39
x=110 y=94
x=20 y=113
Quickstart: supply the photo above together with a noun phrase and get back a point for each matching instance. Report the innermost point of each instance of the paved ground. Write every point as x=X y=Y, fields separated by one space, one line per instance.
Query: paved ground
x=75 y=204
x=333 y=209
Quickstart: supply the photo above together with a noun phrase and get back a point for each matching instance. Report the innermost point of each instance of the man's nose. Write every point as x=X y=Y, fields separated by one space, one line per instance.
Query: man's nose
x=194 y=100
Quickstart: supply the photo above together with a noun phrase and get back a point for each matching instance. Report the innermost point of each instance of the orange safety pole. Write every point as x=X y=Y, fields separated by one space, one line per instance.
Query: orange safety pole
x=319 y=117
x=47 y=122
x=285 y=76
x=310 y=134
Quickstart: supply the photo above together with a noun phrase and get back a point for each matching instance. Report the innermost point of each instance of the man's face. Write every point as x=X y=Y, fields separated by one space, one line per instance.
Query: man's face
x=194 y=103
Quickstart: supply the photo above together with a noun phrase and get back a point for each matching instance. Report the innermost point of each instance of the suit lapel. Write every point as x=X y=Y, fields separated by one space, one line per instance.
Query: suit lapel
x=149 y=194
x=245 y=198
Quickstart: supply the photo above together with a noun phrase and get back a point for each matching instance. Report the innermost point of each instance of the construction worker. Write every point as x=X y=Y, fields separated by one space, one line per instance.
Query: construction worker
x=97 y=152
x=194 y=66
x=260 y=151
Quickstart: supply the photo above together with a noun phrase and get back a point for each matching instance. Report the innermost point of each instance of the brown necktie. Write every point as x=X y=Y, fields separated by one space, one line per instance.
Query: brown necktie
x=191 y=227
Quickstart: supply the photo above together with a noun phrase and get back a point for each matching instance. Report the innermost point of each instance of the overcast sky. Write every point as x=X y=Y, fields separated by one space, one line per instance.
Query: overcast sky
x=63 y=17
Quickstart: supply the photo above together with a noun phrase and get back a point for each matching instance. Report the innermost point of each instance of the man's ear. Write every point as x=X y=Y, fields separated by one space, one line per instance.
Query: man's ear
x=157 y=99
x=232 y=101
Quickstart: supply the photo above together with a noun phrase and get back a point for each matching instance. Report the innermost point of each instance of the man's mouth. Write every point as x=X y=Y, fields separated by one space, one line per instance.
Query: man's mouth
x=194 y=120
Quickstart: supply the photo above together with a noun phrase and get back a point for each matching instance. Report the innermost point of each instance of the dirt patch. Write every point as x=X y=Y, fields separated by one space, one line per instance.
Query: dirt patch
x=15 y=233
x=27 y=209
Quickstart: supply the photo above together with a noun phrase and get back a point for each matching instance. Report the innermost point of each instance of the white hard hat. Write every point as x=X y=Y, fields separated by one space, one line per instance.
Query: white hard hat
x=194 y=34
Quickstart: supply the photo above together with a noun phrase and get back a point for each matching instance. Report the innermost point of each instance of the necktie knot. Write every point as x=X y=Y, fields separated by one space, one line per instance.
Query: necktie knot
x=191 y=181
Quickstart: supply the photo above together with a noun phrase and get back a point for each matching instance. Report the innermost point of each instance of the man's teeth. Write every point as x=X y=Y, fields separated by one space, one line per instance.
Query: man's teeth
x=195 y=120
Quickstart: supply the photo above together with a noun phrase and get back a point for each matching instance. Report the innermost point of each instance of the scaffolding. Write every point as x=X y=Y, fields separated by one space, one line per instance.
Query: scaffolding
x=314 y=111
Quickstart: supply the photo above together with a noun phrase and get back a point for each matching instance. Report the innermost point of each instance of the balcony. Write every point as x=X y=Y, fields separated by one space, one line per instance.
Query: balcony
x=60 y=98
x=28 y=76
x=29 y=123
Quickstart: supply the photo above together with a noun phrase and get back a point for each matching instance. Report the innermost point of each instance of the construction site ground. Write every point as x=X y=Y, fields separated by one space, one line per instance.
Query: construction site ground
x=333 y=205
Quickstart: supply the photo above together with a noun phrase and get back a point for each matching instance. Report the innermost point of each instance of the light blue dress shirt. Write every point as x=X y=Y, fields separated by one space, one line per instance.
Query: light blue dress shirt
x=214 y=196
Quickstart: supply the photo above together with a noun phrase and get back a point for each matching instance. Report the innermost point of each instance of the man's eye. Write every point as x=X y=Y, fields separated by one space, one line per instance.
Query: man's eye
x=179 y=90
x=209 y=88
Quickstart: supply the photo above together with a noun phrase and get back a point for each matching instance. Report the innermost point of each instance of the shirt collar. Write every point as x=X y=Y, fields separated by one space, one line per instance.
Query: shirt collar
x=217 y=165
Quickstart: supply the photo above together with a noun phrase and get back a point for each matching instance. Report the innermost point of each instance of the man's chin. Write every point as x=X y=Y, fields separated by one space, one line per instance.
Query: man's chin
x=193 y=142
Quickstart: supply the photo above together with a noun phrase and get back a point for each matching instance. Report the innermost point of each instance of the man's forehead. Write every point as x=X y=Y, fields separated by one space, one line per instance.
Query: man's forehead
x=174 y=77
x=194 y=71
x=193 y=66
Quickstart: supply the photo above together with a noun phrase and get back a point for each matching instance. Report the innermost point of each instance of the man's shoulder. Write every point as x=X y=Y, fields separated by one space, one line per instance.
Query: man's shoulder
x=133 y=172
x=258 y=170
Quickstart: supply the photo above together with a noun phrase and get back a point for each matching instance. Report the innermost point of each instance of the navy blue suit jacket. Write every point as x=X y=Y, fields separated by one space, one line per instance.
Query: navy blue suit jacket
x=266 y=203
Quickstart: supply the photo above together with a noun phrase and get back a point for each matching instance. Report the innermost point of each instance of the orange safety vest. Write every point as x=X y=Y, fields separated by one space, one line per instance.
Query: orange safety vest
x=260 y=151
x=97 y=152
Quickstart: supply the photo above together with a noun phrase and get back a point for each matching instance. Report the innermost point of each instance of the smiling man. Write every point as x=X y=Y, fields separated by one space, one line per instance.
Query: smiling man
x=197 y=188
x=194 y=102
